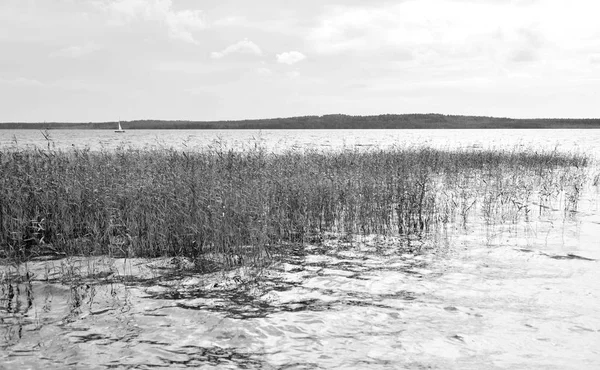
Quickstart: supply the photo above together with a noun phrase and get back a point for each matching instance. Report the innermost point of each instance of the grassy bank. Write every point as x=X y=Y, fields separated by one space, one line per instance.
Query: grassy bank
x=164 y=202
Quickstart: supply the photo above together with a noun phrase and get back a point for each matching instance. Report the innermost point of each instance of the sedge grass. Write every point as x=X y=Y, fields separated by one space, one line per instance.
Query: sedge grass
x=237 y=205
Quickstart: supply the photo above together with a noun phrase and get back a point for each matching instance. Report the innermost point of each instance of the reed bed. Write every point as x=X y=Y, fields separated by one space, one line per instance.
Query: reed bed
x=240 y=204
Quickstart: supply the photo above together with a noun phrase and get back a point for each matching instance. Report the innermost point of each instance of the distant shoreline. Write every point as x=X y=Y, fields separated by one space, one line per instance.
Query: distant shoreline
x=333 y=121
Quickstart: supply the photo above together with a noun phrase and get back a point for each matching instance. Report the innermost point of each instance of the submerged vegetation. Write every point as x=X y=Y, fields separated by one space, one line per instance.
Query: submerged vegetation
x=241 y=206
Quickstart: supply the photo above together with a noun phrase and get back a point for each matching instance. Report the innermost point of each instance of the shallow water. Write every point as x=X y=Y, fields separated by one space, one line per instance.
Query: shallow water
x=522 y=293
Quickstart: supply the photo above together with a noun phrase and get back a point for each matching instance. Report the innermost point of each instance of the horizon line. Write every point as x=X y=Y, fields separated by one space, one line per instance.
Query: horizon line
x=315 y=115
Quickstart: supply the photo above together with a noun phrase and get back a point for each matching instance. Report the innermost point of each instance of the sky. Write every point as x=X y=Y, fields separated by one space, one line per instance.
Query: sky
x=105 y=60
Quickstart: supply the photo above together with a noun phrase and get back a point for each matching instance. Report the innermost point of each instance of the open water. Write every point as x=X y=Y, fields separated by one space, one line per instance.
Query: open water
x=522 y=294
x=280 y=140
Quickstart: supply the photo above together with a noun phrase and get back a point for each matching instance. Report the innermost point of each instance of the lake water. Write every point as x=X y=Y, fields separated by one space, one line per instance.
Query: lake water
x=277 y=140
x=508 y=295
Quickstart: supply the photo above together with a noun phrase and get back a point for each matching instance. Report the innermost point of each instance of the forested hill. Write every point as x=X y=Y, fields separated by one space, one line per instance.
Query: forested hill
x=334 y=121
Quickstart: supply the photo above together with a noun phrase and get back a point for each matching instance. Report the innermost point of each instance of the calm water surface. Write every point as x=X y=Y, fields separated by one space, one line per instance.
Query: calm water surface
x=507 y=295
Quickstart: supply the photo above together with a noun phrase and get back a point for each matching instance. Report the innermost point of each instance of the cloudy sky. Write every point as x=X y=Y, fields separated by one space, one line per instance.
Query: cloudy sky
x=103 y=60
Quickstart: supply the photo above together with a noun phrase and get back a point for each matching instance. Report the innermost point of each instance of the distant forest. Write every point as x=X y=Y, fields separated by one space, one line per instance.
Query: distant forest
x=332 y=121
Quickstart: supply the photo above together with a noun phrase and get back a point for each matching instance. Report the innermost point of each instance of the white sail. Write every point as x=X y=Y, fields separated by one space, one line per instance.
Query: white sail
x=120 y=130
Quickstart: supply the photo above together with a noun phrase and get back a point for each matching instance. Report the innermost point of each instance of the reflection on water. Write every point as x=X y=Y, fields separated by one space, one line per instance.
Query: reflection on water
x=587 y=141
x=518 y=292
x=499 y=290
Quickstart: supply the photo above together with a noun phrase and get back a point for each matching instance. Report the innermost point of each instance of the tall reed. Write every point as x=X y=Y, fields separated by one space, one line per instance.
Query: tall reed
x=240 y=203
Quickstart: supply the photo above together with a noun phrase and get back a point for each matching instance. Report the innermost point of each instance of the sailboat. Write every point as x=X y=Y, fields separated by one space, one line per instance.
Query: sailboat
x=120 y=130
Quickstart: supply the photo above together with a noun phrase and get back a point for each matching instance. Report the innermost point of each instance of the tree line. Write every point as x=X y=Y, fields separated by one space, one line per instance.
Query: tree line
x=332 y=121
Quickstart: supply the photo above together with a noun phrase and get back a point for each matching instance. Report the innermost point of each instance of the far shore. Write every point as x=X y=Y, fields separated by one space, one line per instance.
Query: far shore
x=333 y=121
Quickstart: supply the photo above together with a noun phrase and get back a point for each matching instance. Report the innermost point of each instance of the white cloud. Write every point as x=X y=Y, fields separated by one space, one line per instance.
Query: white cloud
x=293 y=75
x=501 y=31
x=244 y=47
x=230 y=21
x=290 y=57
x=264 y=71
x=22 y=82
x=76 y=51
x=179 y=24
x=404 y=25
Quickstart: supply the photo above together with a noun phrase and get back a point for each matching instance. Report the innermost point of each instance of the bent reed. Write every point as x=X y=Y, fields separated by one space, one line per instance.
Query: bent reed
x=149 y=203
